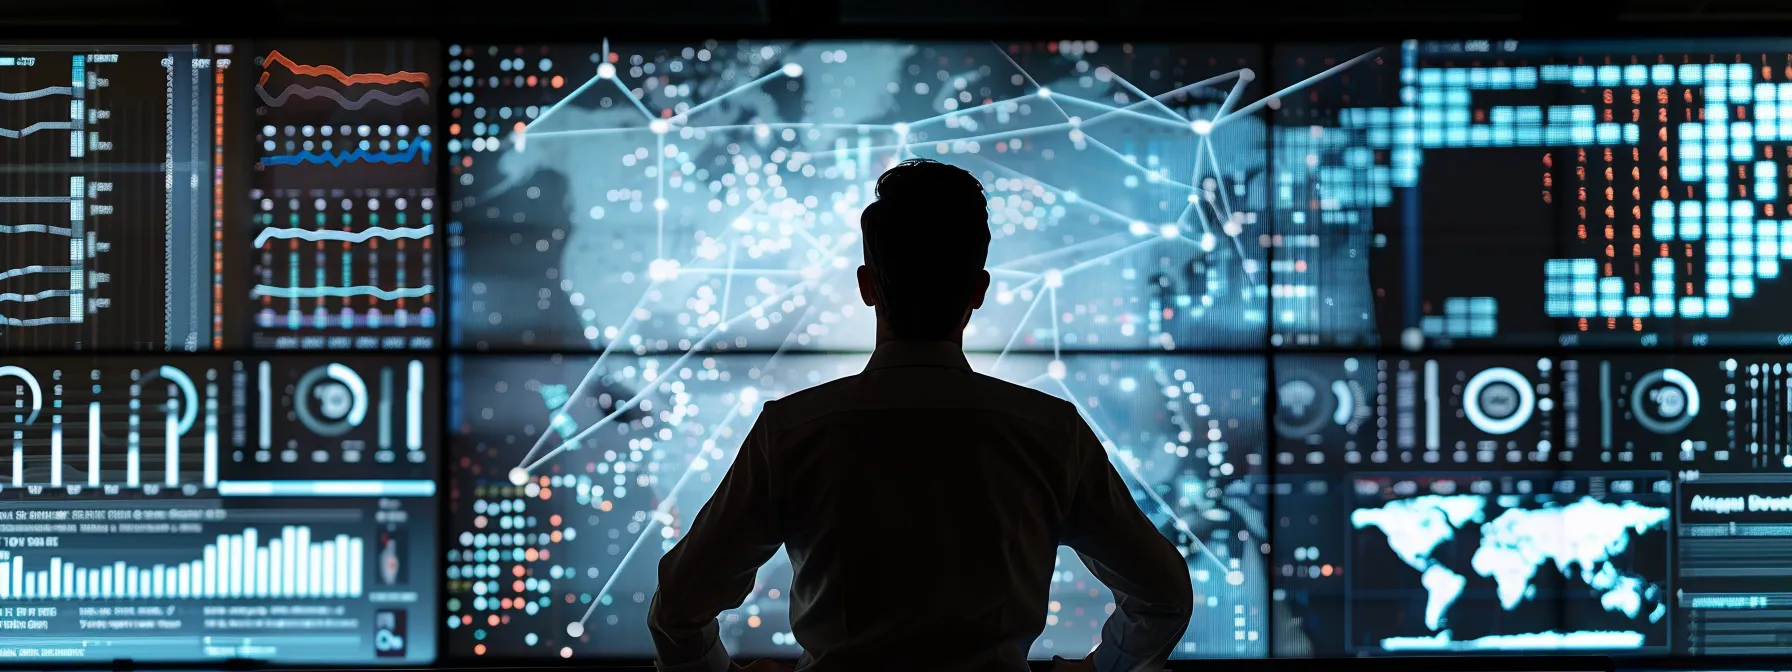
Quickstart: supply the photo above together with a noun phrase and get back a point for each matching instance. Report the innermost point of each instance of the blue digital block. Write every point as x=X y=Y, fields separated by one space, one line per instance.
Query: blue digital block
x=1692 y=306
x=1661 y=74
x=1691 y=73
x=1637 y=306
x=1768 y=269
x=1717 y=306
x=1664 y=307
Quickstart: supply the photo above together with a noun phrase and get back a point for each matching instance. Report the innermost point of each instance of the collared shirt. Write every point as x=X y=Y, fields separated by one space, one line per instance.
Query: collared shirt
x=922 y=505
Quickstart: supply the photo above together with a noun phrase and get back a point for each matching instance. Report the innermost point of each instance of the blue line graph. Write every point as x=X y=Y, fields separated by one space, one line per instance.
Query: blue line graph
x=37 y=228
x=28 y=298
x=316 y=292
x=338 y=158
x=39 y=126
x=46 y=91
x=345 y=236
x=28 y=270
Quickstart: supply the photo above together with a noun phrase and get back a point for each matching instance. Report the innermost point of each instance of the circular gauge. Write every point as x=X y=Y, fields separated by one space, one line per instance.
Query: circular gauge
x=30 y=381
x=1498 y=400
x=1665 y=401
x=1302 y=407
x=331 y=400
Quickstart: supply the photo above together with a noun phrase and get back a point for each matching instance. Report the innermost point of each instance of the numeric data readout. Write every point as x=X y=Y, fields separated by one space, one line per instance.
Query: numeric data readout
x=206 y=508
x=1479 y=194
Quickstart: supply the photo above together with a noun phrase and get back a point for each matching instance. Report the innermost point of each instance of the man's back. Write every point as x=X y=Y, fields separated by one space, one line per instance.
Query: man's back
x=922 y=505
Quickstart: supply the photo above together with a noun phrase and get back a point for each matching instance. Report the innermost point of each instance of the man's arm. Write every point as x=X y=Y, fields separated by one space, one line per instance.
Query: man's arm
x=1149 y=578
x=712 y=568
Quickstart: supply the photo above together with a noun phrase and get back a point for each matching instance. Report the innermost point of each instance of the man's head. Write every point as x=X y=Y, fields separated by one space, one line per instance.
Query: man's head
x=926 y=240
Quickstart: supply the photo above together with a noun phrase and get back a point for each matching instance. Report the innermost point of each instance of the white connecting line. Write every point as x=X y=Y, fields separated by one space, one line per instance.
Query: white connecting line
x=1202 y=128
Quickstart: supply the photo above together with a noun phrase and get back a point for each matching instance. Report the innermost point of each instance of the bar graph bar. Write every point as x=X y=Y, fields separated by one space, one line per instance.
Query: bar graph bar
x=233 y=566
x=93 y=444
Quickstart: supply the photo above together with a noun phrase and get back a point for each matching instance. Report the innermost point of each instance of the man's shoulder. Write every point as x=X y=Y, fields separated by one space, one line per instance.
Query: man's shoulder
x=963 y=390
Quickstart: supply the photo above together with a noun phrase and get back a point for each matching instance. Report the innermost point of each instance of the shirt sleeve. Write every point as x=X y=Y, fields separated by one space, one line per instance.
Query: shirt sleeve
x=1153 y=597
x=714 y=566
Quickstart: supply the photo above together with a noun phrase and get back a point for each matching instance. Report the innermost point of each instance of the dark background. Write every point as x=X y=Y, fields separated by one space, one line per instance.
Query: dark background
x=1138 y=20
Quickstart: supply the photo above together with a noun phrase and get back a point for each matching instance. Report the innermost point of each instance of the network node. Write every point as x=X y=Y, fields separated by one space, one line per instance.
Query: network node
x=1170 y=231
x=1201 y=126
x=662 y=269
x=519 y=476
x=1056 y=369
x=1247 y=75
x=606 y=70
x=793 y=70
x=901 y=128
x=1140 y=229
x=1045 y=92
x=659 y=126
x=575 y=629
x=1054 y=278
x=660 y=204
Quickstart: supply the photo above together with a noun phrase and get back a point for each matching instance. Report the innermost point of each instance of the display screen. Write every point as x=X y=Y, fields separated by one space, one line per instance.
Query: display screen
x=1477 y=503
x=105 y=224
x=1490 y=193
x=574 y=475
x=341 y=196
x=705 y=195
x=207 y=508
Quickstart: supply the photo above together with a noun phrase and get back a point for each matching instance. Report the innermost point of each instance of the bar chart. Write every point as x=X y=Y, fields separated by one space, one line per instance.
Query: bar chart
x=294 y=564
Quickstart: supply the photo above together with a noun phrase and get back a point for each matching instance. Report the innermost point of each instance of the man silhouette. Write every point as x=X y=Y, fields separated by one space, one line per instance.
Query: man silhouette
x=922 y=504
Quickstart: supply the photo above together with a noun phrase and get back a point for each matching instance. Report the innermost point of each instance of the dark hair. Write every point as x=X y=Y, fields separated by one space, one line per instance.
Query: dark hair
x=926 y=238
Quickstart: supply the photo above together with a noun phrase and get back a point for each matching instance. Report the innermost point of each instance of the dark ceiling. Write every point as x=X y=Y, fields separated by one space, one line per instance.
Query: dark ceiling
x=1158 y=19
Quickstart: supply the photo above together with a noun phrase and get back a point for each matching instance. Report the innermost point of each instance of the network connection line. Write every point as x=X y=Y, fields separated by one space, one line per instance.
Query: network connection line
x=791 y=70
x=591 y=374
x=1108 y=444
x=36 y=228
x=361 y=236
x=338 y=292
x=527 y=467
x=40 y=93
x=661 y=513
x=1148 y=99
x=39 y=126
x=1296 y=87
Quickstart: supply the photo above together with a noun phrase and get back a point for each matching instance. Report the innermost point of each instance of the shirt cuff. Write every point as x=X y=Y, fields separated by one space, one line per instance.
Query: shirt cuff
x=1112 y=659
x=716 y=660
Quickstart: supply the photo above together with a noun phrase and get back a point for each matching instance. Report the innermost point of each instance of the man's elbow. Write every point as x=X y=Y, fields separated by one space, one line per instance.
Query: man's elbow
x=1178 y=589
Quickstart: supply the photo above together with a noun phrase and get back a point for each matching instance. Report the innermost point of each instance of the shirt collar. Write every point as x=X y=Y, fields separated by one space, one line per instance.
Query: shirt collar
x=945 y=354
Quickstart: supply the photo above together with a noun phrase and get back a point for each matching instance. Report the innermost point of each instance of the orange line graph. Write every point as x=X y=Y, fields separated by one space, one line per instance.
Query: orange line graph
x=331 y=71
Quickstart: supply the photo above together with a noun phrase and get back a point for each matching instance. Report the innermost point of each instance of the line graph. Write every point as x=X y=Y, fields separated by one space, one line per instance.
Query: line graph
x=37 y=228
x=40 y=93
x=275 y=57
x=314 y=92
x=28 y=298
x=416 y=150
x=29 y=270
x=341 y=292
x=39 y=126
x=345 y=236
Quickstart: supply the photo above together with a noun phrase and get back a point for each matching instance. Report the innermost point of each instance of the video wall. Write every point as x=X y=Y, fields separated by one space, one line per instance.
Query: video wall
x=396 y=351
